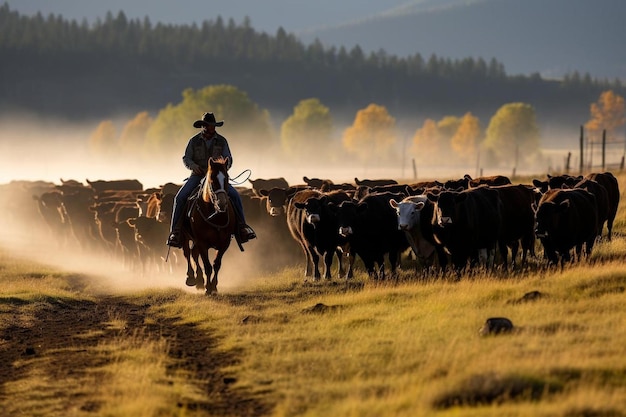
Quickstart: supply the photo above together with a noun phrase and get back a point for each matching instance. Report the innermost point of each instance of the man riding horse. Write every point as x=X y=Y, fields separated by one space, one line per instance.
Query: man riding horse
x=202 y=146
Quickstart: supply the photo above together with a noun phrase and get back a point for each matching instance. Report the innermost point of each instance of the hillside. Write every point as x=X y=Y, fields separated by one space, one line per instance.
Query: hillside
x=551 y=37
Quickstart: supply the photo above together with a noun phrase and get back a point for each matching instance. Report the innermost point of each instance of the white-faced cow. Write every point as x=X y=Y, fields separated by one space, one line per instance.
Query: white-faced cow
x=415 y=214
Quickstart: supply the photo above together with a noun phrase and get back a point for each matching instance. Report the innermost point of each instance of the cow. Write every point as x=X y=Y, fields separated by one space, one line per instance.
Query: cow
x=363 y=190
x=103 y=185
x=493 y=180
x=266 y=184
x=303 y=231
x=415 y=214
x=518 y=221
x=566 y=219
x=316 y=182
x=602 y=200
x=370 y=227
x=466 y=223
x=322 y=237
x=556 y=181
x=150 y=235
x=77 y=201
x=52 y=210
x=277 y=199
x=609 y=182
x=127 y=245
x=468 y=182
x=374 y=183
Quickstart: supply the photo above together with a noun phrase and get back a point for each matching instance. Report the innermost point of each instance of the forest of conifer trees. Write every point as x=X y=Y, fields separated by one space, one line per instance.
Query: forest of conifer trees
x=76 y=70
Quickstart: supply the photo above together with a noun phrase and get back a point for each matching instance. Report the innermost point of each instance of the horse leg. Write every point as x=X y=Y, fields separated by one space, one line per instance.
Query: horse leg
x=211 y=285
x=191 y=279
x=208 y=269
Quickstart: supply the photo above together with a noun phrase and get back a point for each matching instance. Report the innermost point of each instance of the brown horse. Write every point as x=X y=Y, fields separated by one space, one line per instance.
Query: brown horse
x=210 y=223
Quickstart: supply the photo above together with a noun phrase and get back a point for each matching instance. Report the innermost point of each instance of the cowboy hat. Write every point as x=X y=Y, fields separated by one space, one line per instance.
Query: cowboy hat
x=207 y=119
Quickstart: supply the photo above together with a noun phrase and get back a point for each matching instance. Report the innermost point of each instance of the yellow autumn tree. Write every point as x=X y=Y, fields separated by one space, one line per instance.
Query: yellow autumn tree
x=103 y=142
x=512 y=135
x=448 y=126
x=133 y=134
x=245 y=123
x=372 y=135
x=427 y=142
x=607 y=113
x=465 y=140
x=307 y=132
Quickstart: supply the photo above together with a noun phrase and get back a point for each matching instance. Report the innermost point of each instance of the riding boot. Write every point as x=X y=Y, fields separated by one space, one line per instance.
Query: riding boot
x=175 y=238
x=246 y=233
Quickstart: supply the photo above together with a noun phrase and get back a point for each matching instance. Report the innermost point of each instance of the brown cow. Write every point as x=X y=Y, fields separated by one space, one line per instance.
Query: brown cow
x=267 y=184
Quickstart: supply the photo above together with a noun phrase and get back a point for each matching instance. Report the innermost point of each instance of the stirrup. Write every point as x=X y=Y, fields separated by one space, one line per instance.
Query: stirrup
x=174 y=240
x=246 y=233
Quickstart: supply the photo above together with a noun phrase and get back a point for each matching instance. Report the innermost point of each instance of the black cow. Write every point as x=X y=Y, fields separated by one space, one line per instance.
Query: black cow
x=363 y=190
x=566 y=219
x=371 y=229
x=608 y=181
x=322 y=238
x=467 y=222
x=602 y=200
x=303 y=231
x=556 y=181
x=518 y=221
x=375 y=182
x=316 y=182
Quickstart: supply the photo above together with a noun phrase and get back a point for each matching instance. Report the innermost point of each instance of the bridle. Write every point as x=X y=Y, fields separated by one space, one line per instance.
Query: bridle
x=214 y=196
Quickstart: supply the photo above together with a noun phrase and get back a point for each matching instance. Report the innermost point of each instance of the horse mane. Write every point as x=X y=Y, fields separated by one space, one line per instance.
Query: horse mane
x=206 y=189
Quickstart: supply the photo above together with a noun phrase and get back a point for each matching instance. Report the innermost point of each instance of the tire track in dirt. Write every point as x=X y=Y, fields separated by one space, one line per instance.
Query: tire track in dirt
x=66 y=333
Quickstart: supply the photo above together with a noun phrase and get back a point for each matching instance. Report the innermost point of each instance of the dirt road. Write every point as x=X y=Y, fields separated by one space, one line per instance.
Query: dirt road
x=53 y=336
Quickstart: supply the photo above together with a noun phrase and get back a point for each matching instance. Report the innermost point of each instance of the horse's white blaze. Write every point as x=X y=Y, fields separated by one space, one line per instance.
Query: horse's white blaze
x=221 y=178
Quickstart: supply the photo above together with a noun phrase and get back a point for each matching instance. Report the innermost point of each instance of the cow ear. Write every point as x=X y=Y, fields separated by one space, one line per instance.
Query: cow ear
x=432 y=196
x=467 y=177
x=264 y=193
x=393 y=203
x=420 y=205
x=564 y=204
x=300 y=205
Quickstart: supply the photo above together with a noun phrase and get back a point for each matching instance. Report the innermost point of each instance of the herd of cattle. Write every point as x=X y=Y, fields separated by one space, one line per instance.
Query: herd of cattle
x=454 y=225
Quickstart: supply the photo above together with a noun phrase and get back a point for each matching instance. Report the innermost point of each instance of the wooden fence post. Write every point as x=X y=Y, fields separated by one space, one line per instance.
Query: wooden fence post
x=581 y=148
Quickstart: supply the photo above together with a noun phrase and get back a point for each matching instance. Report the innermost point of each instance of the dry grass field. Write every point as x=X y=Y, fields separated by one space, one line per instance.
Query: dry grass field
x=88 y=339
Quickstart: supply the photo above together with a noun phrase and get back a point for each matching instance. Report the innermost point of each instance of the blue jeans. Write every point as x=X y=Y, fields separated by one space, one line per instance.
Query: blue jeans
x=191 y=184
